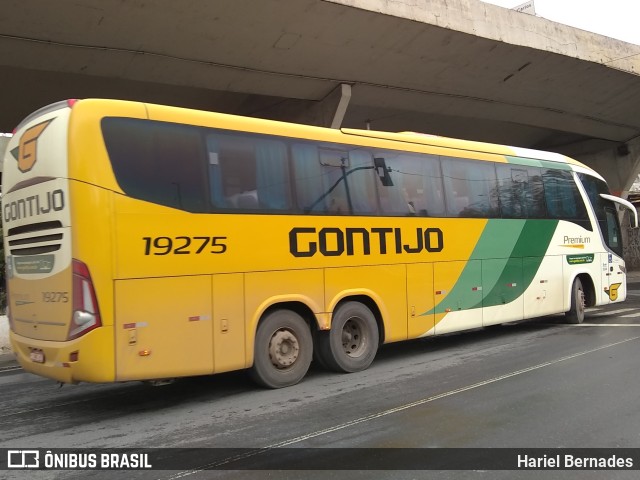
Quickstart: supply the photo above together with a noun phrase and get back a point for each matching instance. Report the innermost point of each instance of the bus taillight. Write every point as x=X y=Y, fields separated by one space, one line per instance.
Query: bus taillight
x=86 y=315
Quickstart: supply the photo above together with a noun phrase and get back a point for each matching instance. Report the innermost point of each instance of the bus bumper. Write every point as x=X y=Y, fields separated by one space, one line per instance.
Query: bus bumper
x=89 y=358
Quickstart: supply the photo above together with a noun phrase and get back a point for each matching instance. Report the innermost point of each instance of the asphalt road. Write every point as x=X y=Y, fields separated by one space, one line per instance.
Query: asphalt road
x=535 y=384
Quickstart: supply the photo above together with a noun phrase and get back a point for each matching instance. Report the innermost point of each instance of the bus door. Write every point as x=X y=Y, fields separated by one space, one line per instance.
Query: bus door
x=612 y=274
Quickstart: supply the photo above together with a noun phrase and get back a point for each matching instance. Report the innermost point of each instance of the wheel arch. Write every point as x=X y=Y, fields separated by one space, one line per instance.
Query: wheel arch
x=588 y=287
x=297 y=305
x=371 y=304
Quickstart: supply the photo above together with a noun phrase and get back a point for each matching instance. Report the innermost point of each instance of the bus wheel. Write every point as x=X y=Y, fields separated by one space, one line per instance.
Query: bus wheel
x=352 y=342
x=576 y=312
x=317 y=357
x=283 y=350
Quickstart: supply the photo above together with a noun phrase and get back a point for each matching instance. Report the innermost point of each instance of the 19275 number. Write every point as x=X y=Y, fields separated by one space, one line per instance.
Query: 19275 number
x=55 y=297
x=183 y=245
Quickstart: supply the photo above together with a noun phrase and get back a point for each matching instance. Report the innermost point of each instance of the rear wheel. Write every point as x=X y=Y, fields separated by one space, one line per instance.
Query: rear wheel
x=283 y=350
x=576 y=312
x=352 y=342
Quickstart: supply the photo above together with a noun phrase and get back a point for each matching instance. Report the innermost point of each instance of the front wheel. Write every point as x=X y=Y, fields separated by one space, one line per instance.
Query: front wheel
x=283 y=350
x=352 y=342
x=576 y=312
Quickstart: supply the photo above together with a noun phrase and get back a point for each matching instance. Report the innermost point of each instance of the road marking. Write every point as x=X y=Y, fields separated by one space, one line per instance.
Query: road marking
x=391 y=411
x=604 y=325
x=631 y=315
x=10 y=368
x=613 y=312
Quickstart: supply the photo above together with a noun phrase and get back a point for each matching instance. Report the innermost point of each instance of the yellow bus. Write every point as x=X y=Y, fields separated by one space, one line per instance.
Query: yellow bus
x=147 y=242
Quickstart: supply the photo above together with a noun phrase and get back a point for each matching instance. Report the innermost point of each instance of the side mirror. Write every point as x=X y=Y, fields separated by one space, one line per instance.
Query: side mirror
x=625 y=203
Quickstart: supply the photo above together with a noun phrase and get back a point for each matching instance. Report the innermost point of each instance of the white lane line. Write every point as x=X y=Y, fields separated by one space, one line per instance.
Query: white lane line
x=391 y=411
x=631 y=315
x=604 y=325
x=613 y=312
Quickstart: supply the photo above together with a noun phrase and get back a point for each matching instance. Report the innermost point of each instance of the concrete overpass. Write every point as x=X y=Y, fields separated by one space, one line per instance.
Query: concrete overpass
x=458 y=68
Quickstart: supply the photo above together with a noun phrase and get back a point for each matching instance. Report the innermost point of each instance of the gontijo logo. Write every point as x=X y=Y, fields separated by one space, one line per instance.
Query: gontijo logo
x=612 y=291
x=26 y=152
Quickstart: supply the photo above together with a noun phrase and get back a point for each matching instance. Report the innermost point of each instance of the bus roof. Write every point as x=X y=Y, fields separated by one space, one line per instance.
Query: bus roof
x=472 y=146
x=293 y=129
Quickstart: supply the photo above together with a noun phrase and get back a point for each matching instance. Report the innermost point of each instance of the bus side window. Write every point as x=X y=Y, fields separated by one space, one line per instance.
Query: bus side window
x=215 y=175
x=334 y=180
x=238 y=167
x=248 y=173
x=360 y=178
x=309 y=178
x=563 y=198
x=179 y=163
x=417 y=185
x=272 y=175
x=158 y=162
x=520 y=191
x=534 y=194
x=471 y=188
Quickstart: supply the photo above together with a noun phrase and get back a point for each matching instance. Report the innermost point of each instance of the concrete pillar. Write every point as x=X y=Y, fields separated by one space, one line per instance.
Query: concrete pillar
x=630 y=243
x=618 y=165
x=337 y=102
x=328 y=112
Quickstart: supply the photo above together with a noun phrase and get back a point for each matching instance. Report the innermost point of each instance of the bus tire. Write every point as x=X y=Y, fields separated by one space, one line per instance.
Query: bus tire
x=352 y=342
x=576 y=311
x=283 y=349
x=318 y=359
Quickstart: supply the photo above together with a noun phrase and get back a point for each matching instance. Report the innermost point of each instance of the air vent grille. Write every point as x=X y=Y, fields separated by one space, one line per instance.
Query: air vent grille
x=35 y=238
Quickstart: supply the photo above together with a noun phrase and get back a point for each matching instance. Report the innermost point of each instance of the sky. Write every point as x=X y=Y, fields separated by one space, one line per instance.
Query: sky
x=613 y=18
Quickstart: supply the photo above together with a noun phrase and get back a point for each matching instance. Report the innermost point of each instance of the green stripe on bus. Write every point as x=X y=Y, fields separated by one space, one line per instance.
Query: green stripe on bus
x=532 y=162
x=521 y=268
x=498 y=237
x=503 y=278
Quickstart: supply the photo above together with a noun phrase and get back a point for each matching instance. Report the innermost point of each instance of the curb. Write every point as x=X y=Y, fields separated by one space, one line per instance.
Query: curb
x=8 y=361
x=5 y=346
x=7 y=358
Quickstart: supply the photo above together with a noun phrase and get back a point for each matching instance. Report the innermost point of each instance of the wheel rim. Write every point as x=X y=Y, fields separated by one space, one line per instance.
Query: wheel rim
x=354 y=338
x=284 y=349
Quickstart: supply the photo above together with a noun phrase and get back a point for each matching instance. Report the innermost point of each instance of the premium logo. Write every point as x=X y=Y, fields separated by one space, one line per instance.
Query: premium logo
x=575 y=242
x=26 y=153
